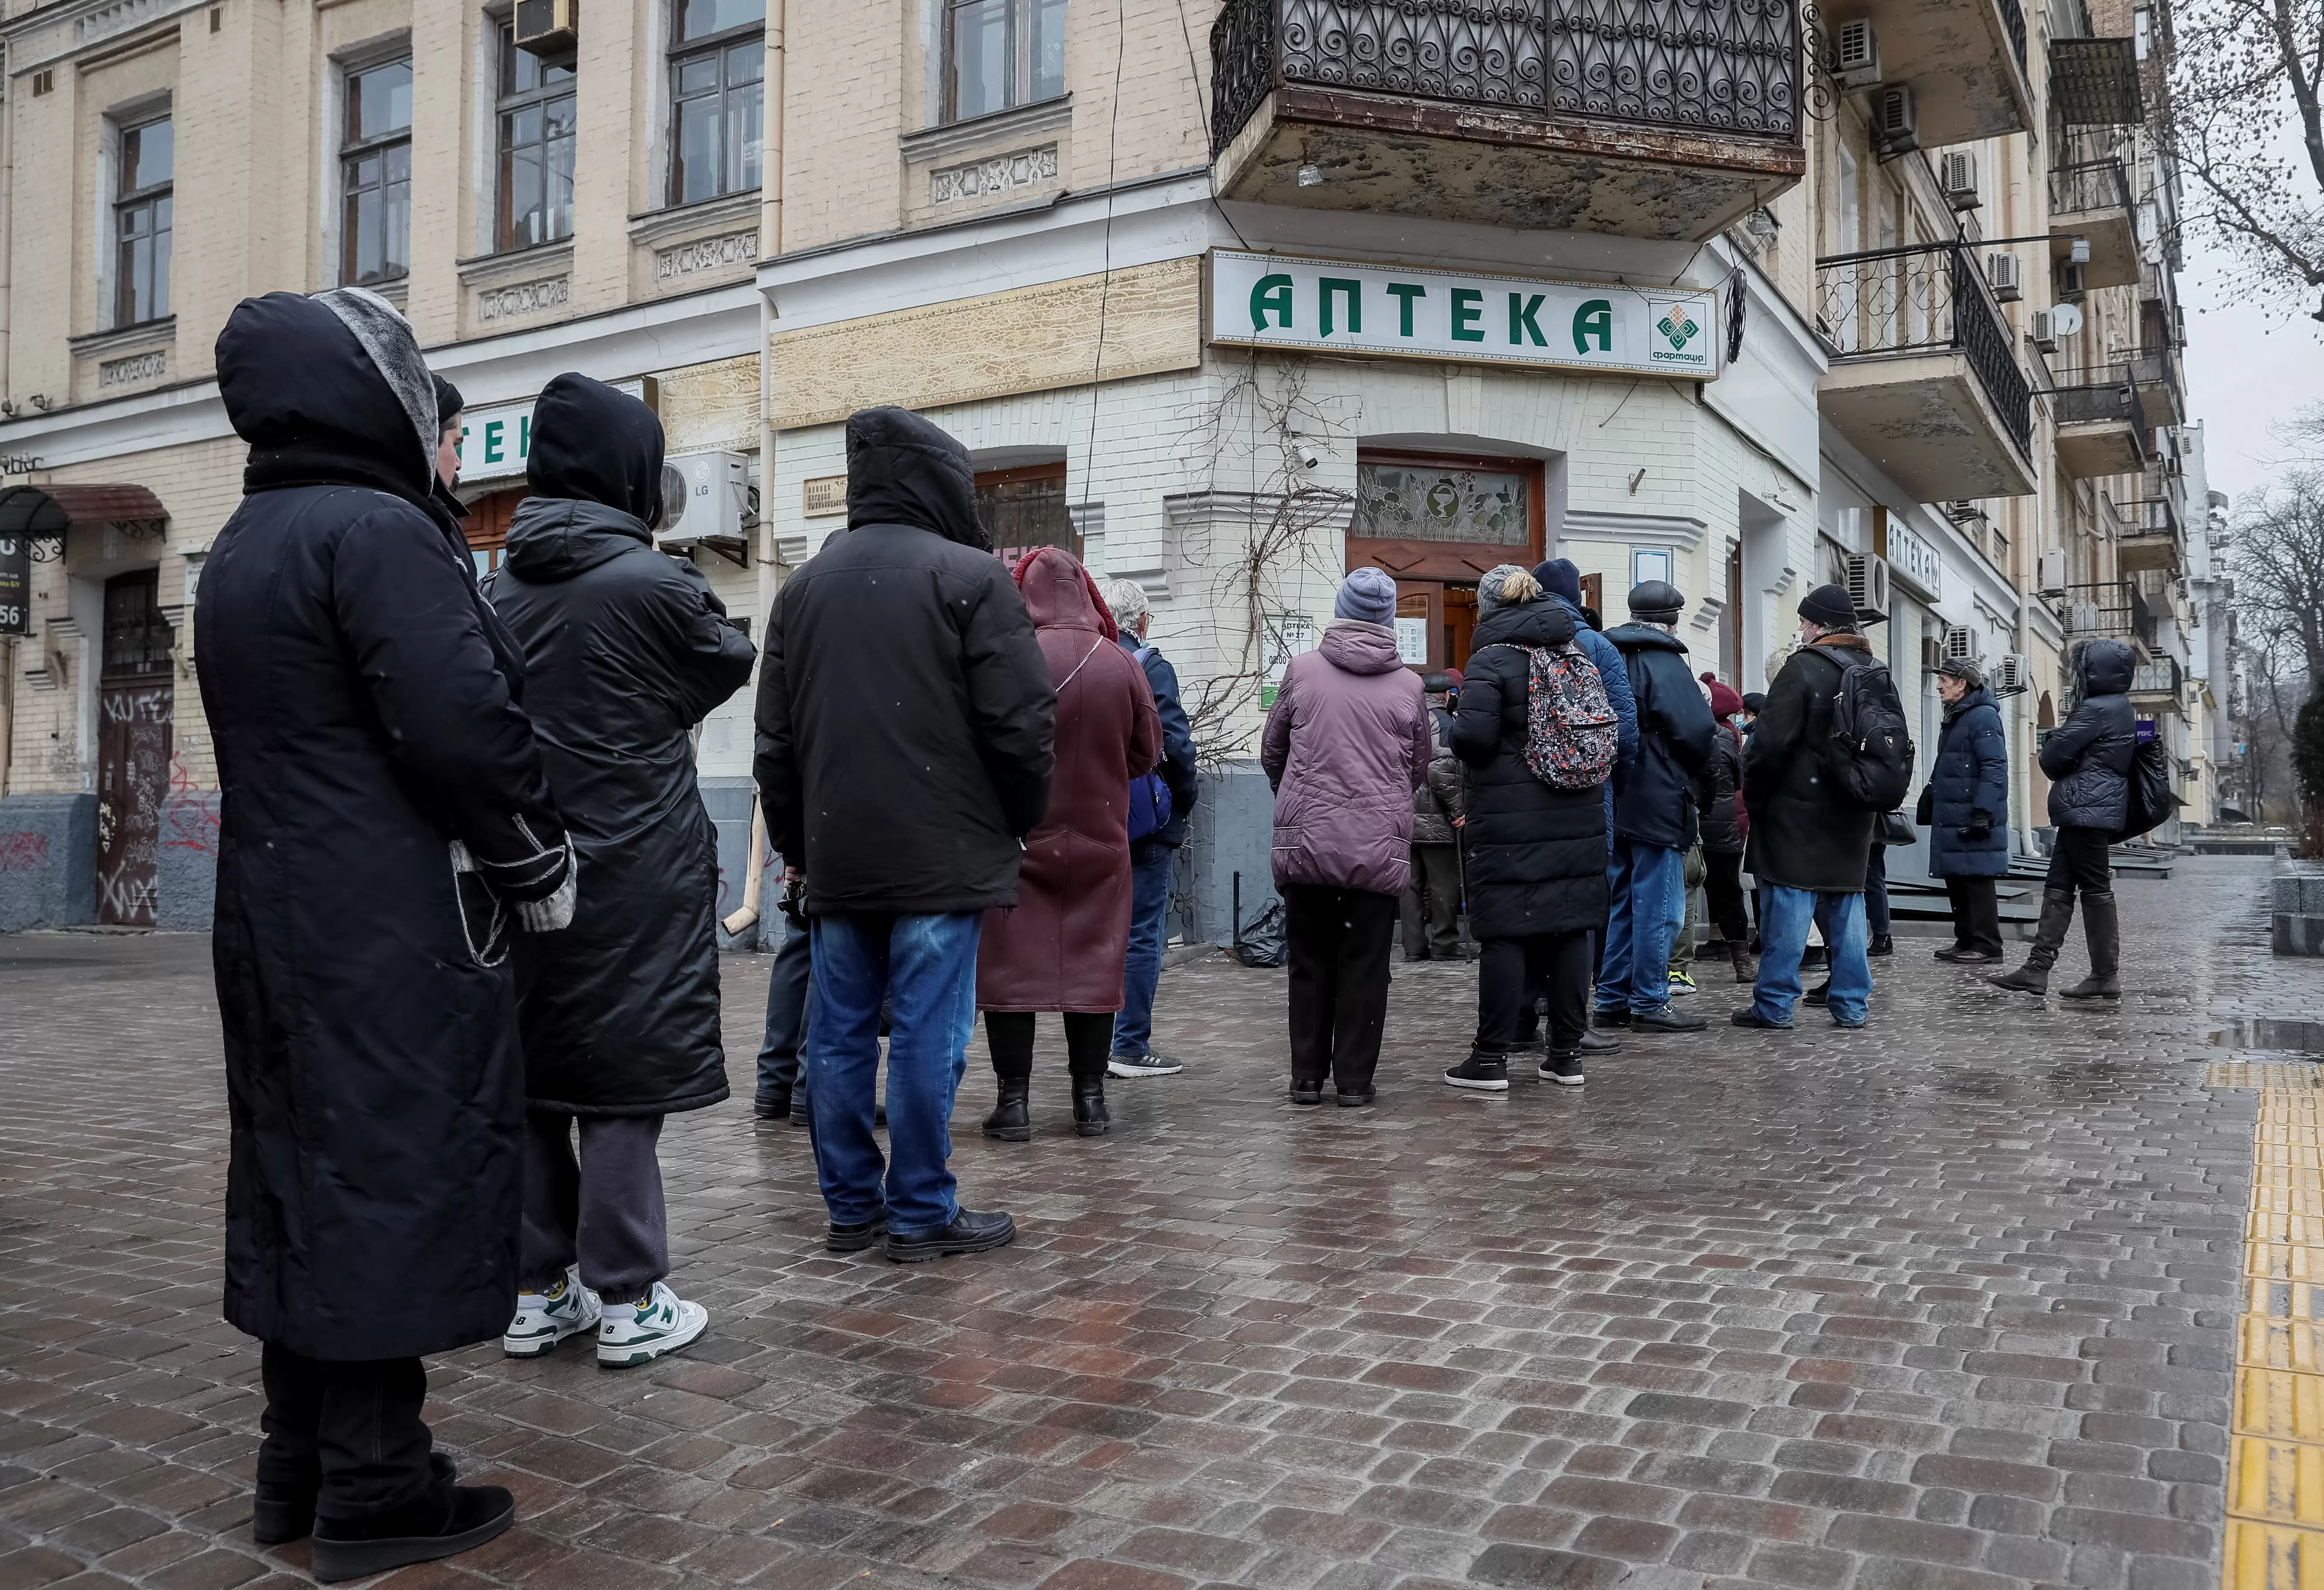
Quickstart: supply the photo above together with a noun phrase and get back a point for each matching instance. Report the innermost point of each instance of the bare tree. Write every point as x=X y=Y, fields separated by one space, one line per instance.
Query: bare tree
x=2279 y=561
x=2242 y=74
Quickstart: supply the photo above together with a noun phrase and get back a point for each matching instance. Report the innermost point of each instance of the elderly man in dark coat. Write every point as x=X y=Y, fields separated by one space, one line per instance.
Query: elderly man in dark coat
x=626 y=650
x=386 y=827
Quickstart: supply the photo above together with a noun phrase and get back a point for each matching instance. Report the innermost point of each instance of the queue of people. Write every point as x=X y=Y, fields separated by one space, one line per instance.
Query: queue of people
x=465 y=946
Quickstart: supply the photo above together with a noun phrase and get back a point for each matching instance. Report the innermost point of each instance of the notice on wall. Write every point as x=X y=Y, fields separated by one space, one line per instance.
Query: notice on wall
x=1279 y=300
x=1411 y=641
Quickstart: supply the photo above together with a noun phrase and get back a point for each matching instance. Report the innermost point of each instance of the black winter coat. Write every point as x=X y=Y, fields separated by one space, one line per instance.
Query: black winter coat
x=1537 y=855
x=1654 y=792
x=1714 y=792
x=1969 y=784
x=1177 y=768
x=905 y=722
x=625 y=650
x=363 y=701
x=1804 y=834
x=2088 y=757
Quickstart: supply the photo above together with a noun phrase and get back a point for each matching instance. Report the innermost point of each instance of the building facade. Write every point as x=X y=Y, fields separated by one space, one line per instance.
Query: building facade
x=1226 y=299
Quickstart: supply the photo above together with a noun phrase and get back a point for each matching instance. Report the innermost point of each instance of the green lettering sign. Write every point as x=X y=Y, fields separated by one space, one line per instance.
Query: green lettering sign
x=1594 y=318
x=524 y=436
x=1403 y=292
x=1468 y=308
x=1522 y=310
x=1273 y=293
x=1325 y=286
x=492 y=429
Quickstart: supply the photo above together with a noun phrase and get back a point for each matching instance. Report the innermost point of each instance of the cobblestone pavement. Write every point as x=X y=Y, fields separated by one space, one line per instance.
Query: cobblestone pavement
x=1946 y=1304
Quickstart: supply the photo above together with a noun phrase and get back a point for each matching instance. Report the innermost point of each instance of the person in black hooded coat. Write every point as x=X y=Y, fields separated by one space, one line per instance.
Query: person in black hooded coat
x=386 y=817
x=626 y=649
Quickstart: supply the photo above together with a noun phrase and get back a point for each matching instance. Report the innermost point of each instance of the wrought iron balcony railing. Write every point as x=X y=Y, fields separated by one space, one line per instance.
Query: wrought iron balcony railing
x=2108 y=610
x=2090 y=185
x=2161 y=677
x=2096 y=402
x=1895 y=302
x=1727 y=68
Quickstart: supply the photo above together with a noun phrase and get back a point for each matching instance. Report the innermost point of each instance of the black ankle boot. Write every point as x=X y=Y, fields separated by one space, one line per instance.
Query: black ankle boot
x=1012 y=1121
x=446 y=1519
x=1090 y=1119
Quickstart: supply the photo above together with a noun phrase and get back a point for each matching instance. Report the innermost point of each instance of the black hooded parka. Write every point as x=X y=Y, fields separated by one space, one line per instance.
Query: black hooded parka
x=626 y=650
x=2088 y=755
x=362 y=702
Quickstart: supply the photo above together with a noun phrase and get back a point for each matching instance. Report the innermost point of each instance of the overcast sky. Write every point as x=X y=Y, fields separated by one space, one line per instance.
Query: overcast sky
x=2249 y=364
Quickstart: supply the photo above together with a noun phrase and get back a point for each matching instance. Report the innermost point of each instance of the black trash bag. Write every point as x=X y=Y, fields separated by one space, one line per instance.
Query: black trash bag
x=2153 y=802
x=1262 y=943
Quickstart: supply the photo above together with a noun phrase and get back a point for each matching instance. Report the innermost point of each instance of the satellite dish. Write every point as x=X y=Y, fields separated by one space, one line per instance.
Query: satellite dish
x=2065 y=320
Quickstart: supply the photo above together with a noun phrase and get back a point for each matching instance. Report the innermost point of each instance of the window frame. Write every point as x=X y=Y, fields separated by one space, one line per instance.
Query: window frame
x=514 y=102
x=127 y=201
x=676 y=58
x=352 y=148
x=1019 y=92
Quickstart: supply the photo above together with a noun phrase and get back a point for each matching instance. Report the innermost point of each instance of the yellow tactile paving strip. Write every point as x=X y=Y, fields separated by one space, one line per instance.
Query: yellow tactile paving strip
x=2275 y=1463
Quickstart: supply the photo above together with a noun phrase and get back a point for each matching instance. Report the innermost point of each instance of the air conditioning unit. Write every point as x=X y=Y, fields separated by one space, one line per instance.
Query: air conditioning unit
x=1856 y=55
x=2044 y=335
x=1892 y=126
x=706 y=502
x=1867 y=585
x=2050 y=572
x=2001 y=271
x=2070 y=282
x=1961 y=644
x=1957 y=179
x=2012 y=677
x=545 y=27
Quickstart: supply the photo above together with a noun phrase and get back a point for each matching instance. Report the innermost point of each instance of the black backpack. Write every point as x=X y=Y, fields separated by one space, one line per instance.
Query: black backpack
x=1869 y=756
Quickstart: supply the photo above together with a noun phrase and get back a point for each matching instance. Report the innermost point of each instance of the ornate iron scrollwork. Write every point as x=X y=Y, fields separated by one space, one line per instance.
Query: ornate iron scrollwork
x=1823 y=93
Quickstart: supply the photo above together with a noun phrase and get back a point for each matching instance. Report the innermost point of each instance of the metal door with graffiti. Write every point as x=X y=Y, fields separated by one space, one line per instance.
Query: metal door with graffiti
x=136 y=703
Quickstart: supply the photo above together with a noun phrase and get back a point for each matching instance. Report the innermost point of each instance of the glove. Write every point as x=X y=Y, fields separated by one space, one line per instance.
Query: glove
x=1980 y=827
x=1926 y=812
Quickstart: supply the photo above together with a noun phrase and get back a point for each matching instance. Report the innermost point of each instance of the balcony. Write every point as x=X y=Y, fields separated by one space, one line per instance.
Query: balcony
x=2155 y=371
x=2101 y=428
x=2150 y=536
x=2156 y=686
x=1924 y=379
x=1965 y=60
x=2110 y=610
x=2092 y=200
x=1664 y=119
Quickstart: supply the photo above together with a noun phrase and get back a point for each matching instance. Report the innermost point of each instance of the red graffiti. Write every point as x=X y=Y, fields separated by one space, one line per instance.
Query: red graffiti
x=193 y=821
x=23 y=851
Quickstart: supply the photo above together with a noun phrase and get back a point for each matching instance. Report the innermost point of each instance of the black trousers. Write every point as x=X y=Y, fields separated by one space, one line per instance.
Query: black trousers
x=2077 y=860
x=1722 y=888
x=348 y=1433
x=1977 y=914
x=1089 y=1040
x=1339 y=941
x=1513 y=973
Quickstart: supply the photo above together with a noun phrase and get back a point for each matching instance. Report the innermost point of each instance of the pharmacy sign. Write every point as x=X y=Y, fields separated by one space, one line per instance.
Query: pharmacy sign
x=1281 y=300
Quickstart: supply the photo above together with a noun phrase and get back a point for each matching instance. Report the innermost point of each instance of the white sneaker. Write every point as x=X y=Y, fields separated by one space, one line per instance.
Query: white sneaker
x=631 y=1335
x=543 y=1320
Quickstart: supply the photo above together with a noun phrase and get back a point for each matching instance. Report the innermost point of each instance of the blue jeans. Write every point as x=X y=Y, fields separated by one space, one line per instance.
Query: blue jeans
x=790 y=1005
x=1149 y=910
x=1646 y=900
x=1784 y=916
x=926 y=967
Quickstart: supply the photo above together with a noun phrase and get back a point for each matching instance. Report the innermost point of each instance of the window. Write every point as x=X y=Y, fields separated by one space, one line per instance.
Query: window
x=141 y=223
x=717 y=62
x=1026 y=508
x=375 y=175
x=536 y=145
x=1000 y=53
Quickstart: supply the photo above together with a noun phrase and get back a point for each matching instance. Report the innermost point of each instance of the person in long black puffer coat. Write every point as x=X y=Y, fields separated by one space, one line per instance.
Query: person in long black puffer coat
x=627 y=650
x=1536 y=853
x=386 y=825
x=2088 y=760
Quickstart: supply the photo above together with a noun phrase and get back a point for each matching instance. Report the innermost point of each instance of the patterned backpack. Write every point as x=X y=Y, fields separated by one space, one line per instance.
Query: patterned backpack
x=1571 y=733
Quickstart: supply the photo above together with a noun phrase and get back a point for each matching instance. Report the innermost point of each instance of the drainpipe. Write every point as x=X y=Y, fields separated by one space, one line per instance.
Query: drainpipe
x=7 y=229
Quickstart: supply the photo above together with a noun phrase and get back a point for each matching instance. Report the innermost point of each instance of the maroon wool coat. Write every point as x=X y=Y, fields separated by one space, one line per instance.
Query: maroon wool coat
x=1062 y=945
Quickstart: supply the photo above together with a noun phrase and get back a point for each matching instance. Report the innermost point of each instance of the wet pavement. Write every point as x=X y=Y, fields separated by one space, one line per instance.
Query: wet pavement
x=1945 y=1304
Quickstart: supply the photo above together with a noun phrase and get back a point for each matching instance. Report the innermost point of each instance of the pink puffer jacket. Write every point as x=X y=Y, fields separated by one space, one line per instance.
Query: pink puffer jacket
x=1346 y=745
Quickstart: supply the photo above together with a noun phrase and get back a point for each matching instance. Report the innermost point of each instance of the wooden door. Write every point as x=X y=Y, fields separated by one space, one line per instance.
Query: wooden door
x=136 y=705
x=1459 y=626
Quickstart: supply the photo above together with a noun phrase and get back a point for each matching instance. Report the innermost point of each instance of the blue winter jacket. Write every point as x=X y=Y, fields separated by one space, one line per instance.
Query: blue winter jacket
x=1970 y=785
x=1613 y=672
x=1177 y=764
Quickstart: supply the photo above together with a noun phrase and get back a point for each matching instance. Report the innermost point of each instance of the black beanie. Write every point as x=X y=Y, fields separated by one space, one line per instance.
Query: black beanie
x=448 y=402
x=1827 y=605
x=1657 y=601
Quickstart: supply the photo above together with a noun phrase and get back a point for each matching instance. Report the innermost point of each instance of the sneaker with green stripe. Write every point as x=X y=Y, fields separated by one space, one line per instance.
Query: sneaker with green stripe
x=543 y=1320
x=634 y=1334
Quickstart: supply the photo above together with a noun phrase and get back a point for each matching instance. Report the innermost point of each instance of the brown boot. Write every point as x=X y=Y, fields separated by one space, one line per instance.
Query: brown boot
x=1746 y=971
x=2034 y=977
x=2102 y=929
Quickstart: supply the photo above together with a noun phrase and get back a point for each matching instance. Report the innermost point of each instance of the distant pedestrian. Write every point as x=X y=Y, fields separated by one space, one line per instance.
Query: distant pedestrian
x=1430 y=904
x=781 y=1093
x=1062 y=945
x=1809 y=843
x=1965 y=806
x=628 y=650
x=1154 y=841
x=1725 y=827
x=907 y=819
x=1536 y=849
x=1655 y=822
x=386 y=825
x=2088 y=760
x=1346 y=744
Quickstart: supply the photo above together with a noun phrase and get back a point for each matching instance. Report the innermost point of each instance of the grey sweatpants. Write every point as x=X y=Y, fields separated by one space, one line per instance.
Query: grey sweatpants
x=606 y=1209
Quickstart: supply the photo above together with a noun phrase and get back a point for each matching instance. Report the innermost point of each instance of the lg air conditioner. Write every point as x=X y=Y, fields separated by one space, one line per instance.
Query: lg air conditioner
x=1957 y=179
x=1962 y=644
x=2043 y=334
x=1856 y=55
x=544 y=27
x=2050 y=572
x=1867 y=585
x=706 y=502
x=2012 y=677
x=1893 y=123
x=2001 y=271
